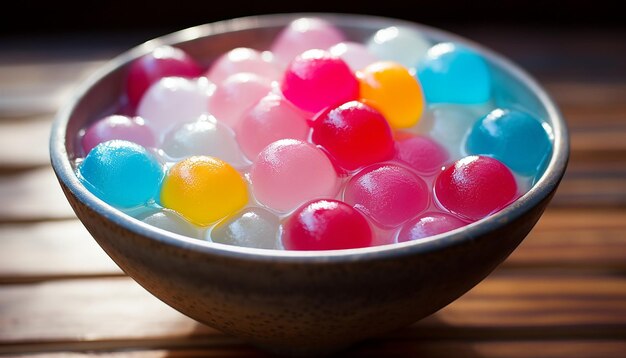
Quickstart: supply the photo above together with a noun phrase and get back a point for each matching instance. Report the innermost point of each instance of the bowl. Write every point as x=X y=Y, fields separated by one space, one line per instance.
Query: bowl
x=301 y=302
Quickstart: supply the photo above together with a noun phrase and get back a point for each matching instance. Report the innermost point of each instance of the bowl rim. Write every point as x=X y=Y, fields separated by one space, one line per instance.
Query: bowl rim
x=544 y=187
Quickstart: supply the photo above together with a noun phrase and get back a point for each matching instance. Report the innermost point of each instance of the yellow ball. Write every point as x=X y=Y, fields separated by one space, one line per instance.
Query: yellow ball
x=393 y=91
x=203 y=189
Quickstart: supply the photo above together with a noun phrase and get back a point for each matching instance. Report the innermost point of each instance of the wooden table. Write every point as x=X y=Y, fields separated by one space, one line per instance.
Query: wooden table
x=562 y=293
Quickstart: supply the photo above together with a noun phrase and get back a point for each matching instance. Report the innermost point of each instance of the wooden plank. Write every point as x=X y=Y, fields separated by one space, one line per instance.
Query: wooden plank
x=24 y=142
x=33 y=195
x=40 y=88
x=389 y=347
x=504 y=305
x=40 y=251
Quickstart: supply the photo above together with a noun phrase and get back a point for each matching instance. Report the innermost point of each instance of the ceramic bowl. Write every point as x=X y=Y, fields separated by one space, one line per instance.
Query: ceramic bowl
x=301 y=303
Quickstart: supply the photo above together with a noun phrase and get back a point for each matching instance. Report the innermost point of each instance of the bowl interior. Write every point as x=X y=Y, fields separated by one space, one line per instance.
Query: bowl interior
x=100 y=93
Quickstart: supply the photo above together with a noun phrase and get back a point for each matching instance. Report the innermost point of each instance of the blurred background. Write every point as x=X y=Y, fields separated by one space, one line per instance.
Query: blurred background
x=64 y=16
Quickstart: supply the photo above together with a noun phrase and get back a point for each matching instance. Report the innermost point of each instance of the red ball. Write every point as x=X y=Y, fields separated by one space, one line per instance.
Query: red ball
x=164 y=61
x=326 y=225
x=475 y=186
x=354 y=134
x=316 y=79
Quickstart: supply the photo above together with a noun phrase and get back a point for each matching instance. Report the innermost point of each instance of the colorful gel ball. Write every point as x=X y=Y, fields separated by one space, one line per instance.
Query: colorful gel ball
x=164 y=61
x=235 y=95
x=354 y=134
x=421 y=153
x=251 y=227
x=304 y=34
x=271 y=119
x=205 y=136
x=244 y=60
x=475 y=187
x=355 y=54
x=393 y=91
x=429 y=224
x=326 y=225
x=316 y=80
x=289 y=172
x=389 y=194
x=133 y=129
x=170 y=221
x=400 y=44
x=203 y=189
x=174 y=100
x=516 y=138
x=453 y=73
x=121 y=173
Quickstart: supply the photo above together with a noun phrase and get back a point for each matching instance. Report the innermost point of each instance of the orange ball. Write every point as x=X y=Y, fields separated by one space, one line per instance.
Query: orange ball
x=204 y=189
x=393 y=91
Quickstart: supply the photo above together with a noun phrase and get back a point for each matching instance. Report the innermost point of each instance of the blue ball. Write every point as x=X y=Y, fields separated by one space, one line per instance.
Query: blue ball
x=516 y=138
x=452 y=73
x=121 y=173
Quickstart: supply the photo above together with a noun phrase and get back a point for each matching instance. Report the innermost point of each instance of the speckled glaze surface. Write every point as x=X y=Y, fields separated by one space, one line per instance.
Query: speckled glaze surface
x=300 y=303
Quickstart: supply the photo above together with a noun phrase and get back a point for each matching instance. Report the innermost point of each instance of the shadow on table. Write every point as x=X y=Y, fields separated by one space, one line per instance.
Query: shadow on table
x=430 y=337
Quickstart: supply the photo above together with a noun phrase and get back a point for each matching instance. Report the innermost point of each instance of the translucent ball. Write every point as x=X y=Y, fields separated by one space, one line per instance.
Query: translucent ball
x=289 y=172
x=121 y=173
x=174 y=100
x=316 y=79
x=235 y=95
x=203 y=190
x=172 y=222
x=452 y=73
x=355 y=54
x=393 y=91
x=429 y=224
x=271 y=119
x=164 y=61
x=451 y=124
x=389 y=194
x=133 y=129
x=251 y=227
x=326 y=225
x=400 y=44
x=422 y=154
x=244 y=59
x=205 y=136
x=304 y=34
x=516 y=138
x=475 y=187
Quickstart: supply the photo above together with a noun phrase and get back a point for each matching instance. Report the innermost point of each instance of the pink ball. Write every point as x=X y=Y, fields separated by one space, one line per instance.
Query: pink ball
x=355 y=54
x=289 y=172
x=164 y=61
x=475 y=187
x=326 y=225
x=174 y=100
x=316 y=79
x=389 y=194
x=422 y=153
x=236 y=95
x=271 y=119
x=304 y=34
x=132 y=129
x=429 y=224
x=244 y=59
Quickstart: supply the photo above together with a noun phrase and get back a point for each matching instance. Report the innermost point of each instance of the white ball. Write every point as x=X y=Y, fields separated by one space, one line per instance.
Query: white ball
x=204 y=136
